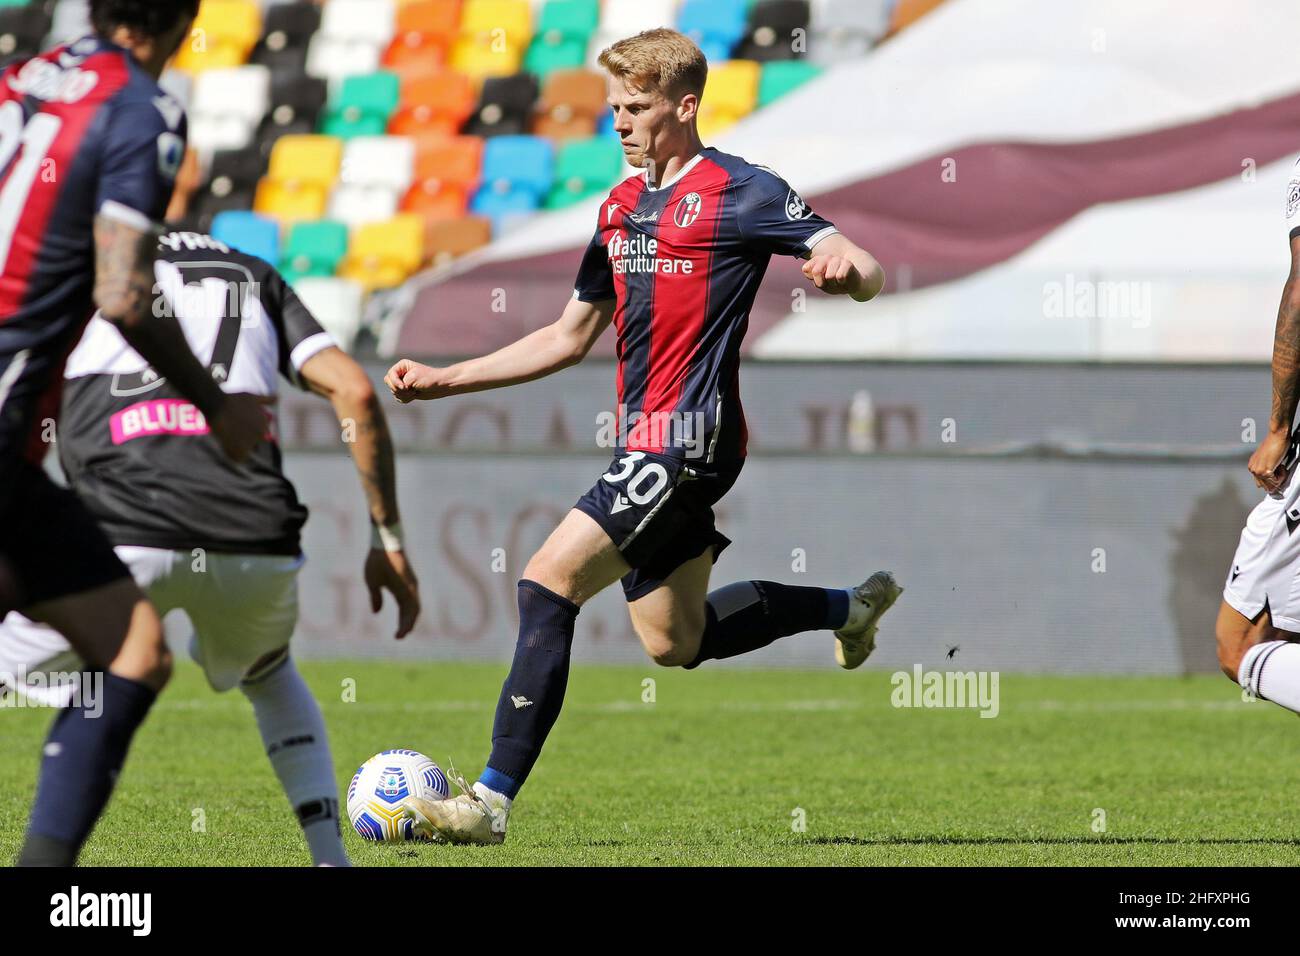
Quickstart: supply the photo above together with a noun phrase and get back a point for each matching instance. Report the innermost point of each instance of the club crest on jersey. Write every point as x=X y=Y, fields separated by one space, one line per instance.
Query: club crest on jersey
x=688 y=210
x=1292 y=197
x=795 y=207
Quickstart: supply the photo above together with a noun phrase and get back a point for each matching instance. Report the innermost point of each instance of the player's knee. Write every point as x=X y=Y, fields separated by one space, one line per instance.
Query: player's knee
x=675 y=647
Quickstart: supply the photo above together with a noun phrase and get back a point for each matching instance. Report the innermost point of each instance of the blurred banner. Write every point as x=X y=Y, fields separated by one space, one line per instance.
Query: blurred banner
x=1066 y=519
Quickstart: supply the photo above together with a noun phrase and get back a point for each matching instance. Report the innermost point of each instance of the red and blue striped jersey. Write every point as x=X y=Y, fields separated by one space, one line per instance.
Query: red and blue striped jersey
x=84 y=130
x=683 y=262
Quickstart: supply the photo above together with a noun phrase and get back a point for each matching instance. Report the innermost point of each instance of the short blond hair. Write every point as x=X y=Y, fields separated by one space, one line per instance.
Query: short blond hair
x=661 y=60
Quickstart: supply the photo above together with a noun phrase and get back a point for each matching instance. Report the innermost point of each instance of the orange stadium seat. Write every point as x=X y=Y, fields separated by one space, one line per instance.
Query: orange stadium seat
x=223 y=35
x=457 y=160
x=425 y=32
x=570 y=104
x=441 y=101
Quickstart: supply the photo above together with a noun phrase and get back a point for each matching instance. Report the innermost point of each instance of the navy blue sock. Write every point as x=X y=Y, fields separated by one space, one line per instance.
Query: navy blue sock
x=747 y=615
x=83 y=754
x=533 y=693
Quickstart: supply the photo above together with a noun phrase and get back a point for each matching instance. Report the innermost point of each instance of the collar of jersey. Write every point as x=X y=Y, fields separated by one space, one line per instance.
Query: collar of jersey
x=690 y=164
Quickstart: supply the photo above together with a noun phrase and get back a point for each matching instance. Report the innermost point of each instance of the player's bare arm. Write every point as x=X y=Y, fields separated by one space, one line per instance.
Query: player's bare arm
x=334 y=375
x=557 y=346
x=840 y=267
x=1264 y=463
x=124 y=283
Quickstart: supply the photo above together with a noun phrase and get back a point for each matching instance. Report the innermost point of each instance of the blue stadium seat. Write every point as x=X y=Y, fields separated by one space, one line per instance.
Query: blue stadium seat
x=249 y=233
x=518 y=164
x=504 y=209
x=716 y=25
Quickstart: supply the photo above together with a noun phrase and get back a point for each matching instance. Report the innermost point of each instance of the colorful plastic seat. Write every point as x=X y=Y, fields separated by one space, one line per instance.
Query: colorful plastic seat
x=518 y=164
x=781 y=76
x=223 y=35
x=441 y=101
x=363 y=106
x=584 y=167
x=506 y=210
x=715 y=25
x=384 y=254
x=249 y=233
x=311 y=159
x=729 y=94
x=493 y=37
x=336 y=304
x=314 y=249
x=448 y=239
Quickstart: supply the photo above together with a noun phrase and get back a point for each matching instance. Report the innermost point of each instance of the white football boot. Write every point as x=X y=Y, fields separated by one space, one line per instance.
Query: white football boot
x=464 y=818
x=869 y=601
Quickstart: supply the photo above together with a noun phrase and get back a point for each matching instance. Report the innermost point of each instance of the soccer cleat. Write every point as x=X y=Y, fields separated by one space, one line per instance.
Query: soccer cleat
x=871 y=599
x=464 y=818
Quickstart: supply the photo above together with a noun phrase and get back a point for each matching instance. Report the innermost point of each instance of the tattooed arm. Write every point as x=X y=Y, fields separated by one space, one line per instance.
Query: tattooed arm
x=1286 y=382
x=332 y=374
x=125 y=295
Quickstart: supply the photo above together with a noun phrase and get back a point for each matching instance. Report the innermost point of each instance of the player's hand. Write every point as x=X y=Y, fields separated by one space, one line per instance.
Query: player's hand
x=1265 y=463
x=833 y=274
x=410 y=381
x=241 y=423
x=389 y=571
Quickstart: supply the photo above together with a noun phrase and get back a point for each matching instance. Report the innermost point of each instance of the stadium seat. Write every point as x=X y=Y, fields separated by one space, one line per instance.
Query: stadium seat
x=309 y=159
x=441 y=101
x=378 y=161
x=781 y=76
x=313 y=249
x=234 y=171
x=563 y=30
x=383 y=255
x=505 y=210
x=296 y=98
x=423 y=38
x=845 y=30
x=448 y=239
x=207 y=205
x=249 y=233
x=223 y=35
x=771 y=31
x=456 y=160
x=715 y=25
x=570 y=104
x=286 y=33
x=372 y=22
x=22 y=30
x=518 y=164
x=434 y=199
x=363 y=106
x=730 y=93
x=544 y=58
x=584 y=167
x=504 y=107
x=290 y=200
x=227 y=105
x=493 y=37
x=622 y=18
x=336 y=304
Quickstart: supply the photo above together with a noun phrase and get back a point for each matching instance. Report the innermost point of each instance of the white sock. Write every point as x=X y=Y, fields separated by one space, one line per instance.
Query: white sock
x=1271 y=671
x=293 y=732
x=492 y=797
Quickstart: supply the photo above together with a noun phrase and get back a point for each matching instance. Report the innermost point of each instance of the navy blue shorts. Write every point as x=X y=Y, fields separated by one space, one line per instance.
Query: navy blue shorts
x=51 y=543
x=658 y=511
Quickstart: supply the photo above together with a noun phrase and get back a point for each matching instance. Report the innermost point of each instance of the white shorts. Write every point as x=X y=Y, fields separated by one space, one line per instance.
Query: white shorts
x=241 y=607
x=1266 y=567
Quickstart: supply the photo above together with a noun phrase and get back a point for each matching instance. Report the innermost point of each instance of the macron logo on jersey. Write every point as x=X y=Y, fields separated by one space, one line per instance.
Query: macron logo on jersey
x=609 y=211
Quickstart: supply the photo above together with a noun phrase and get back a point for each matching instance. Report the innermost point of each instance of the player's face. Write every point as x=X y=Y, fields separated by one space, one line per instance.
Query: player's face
x=650 y=125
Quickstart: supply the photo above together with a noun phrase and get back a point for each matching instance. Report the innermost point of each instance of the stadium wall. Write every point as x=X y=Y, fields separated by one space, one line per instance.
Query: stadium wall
x=1080 y=519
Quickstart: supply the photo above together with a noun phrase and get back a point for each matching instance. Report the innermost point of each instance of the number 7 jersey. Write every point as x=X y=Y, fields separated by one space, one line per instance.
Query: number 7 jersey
x=84 y=131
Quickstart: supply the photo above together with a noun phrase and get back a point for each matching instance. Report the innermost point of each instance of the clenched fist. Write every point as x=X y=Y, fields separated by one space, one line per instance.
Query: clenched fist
x=409 y=381
x=833 y=274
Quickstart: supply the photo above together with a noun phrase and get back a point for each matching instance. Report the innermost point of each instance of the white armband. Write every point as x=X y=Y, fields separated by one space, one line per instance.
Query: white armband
x=386 y=537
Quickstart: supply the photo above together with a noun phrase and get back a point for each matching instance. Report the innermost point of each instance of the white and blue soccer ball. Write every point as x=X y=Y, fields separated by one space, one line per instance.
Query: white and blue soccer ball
x=381 y=784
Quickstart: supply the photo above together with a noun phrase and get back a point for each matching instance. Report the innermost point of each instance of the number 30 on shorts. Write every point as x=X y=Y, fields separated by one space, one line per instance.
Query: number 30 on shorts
x=643 y=485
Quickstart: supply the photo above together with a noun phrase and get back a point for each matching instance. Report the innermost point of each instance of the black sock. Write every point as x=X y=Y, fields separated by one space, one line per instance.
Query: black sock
x=747 y=615
x=533 y=693
x=83 y=754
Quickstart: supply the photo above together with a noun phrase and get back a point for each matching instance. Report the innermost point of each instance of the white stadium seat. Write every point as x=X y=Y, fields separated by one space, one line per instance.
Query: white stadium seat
x=358 y=205
x=333 y=58
x=361 y=21
x=336 y=304
x=227 y=105
x=379 y=161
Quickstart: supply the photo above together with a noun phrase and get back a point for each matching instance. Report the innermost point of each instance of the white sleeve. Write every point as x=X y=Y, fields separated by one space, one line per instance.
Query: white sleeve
x=1293 y=202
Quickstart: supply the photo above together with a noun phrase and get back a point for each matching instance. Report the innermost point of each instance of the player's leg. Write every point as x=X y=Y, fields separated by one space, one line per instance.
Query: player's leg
x=244 y=609
x=682 y=624
x=576 y=562
x=1260 y=656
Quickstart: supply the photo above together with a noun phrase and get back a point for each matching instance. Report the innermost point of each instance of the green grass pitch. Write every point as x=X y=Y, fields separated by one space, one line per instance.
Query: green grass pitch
x=724 y=764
